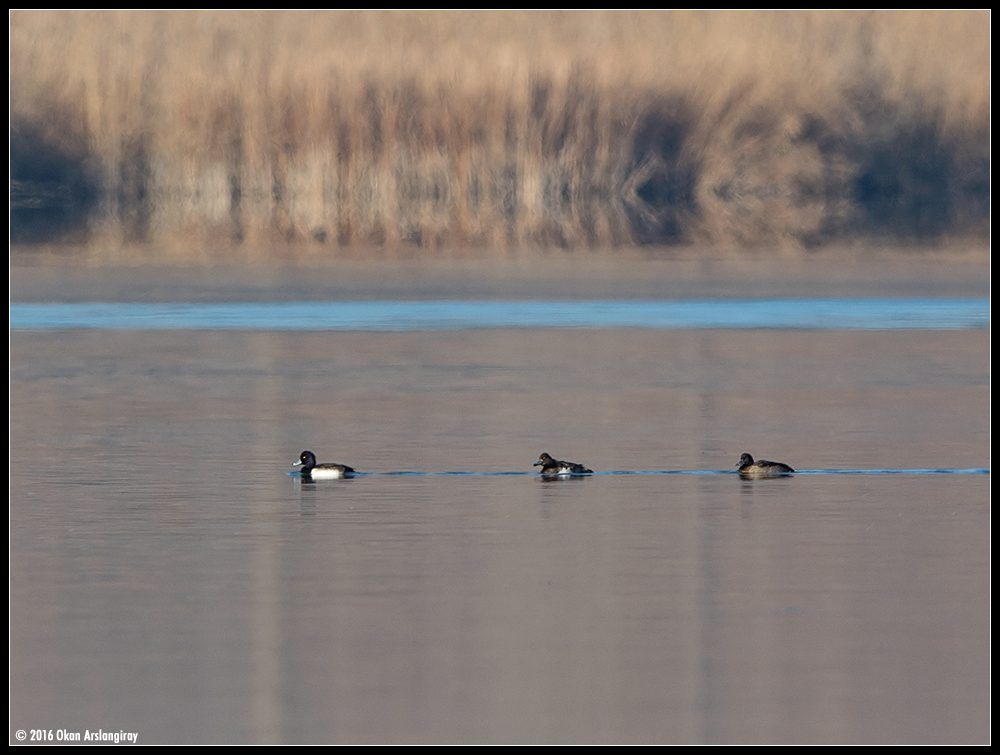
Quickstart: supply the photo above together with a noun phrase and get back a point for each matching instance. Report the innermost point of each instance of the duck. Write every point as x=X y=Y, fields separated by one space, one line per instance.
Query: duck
x=552 y=466
x=328 y=471
x=763 y=468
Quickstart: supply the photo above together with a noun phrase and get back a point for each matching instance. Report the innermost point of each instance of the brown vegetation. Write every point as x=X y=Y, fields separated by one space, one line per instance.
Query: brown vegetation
x=331 y=130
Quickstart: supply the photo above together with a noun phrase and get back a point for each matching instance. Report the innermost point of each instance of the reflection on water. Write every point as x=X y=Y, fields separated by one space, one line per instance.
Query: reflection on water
x=169 y=577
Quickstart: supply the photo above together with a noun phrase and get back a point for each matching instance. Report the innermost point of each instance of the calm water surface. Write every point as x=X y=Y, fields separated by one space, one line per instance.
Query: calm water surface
x=169 y=578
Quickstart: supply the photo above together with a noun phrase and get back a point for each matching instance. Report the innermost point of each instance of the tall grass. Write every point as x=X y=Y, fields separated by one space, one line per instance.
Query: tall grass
x=327 y=131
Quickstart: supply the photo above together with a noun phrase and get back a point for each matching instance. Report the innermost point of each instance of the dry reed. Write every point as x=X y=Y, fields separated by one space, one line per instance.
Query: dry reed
x=334 y=130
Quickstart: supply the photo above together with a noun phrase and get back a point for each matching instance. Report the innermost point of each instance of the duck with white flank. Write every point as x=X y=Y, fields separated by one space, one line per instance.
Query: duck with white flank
x=312 y=471
x=552 y=466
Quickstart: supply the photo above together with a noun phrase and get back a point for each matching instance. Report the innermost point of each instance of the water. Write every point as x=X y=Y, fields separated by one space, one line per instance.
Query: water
x=170 y=578
x=826 y=314
x=620 y=472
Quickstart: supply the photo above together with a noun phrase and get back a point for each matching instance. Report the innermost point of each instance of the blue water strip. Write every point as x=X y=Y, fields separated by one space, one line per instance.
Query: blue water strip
x=807 y=314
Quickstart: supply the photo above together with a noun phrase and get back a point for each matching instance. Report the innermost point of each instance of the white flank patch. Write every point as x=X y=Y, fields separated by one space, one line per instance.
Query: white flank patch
x=319 y=473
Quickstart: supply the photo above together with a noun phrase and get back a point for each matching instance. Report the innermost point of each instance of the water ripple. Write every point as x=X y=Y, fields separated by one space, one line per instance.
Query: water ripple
x=618 y=472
